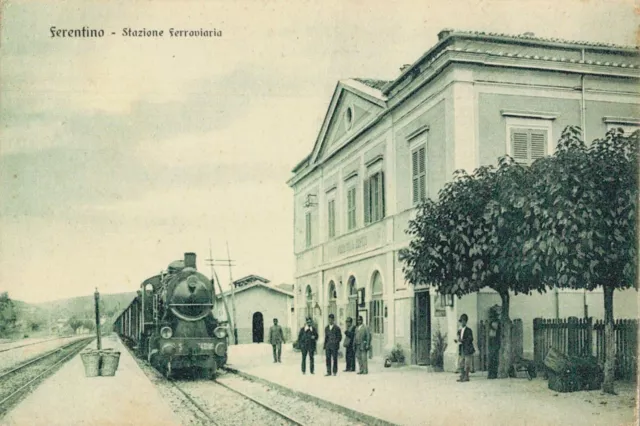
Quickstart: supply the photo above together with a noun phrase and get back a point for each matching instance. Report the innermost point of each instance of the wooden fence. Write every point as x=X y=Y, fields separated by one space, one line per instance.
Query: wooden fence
x=584 y=337
x=483 y=342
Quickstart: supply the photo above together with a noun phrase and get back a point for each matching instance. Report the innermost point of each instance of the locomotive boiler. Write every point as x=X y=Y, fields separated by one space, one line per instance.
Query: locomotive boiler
x=171 y=322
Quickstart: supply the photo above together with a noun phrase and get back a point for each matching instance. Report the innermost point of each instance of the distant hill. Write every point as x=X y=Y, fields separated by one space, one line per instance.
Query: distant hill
x=84 y=306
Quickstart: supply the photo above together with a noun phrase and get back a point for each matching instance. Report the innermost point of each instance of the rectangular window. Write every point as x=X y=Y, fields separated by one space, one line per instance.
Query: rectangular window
x=376 y=316
x=308 y=229
x=419 y=174
x=527 y=145
x=331 y=216
x=627 y=128
x=351 y=208
x=374 y=198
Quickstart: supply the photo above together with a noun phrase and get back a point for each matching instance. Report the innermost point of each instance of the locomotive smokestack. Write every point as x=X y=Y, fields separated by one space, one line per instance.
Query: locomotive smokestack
x=190 y=260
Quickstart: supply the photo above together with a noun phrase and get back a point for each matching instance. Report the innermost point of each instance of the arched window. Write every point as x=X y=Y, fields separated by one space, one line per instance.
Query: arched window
x=333 y=296
x=376 y=310
x=376 y=284
x=352 y=286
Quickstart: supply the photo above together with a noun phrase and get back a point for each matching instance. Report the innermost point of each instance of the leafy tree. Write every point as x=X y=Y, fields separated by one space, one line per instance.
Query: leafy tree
x=8 y=314
x=472 y=238
x=585 y=201
x=75 y=323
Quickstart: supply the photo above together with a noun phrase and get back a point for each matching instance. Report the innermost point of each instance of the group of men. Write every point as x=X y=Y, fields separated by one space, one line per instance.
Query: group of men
x=357 y=343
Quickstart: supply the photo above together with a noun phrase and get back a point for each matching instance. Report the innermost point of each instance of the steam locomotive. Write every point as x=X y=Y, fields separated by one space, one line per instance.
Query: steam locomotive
x=171 y=322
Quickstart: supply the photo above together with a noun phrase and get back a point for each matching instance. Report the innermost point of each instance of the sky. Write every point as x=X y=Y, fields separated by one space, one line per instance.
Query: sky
x=117 y=155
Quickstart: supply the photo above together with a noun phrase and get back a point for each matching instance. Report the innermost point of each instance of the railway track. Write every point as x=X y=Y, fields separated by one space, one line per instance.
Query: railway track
x=194 y=391
x=18 y=380
x=32 y=343
x=234 y=400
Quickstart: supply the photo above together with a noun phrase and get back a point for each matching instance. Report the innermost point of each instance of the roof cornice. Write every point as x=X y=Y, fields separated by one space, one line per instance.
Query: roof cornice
x=447 y=37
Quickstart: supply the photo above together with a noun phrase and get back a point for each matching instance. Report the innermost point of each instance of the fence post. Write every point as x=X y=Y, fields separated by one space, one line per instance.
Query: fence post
x=573 y=346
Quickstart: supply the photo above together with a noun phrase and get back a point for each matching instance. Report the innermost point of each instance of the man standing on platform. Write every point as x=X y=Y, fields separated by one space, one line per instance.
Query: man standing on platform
x=332 y=338
x=362 y=345
x=465 y=348
x=276 y=338
x=349 y=344
x=307 y=339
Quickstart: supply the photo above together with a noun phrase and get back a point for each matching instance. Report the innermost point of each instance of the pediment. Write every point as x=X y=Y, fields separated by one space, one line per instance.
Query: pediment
x=349 y=112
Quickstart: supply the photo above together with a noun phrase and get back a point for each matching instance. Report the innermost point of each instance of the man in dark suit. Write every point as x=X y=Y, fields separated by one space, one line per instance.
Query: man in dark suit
x=307 y=339
x=349 y=344
x=276 y=338
x=332 y=338
x=465 y=348
x=362 y=341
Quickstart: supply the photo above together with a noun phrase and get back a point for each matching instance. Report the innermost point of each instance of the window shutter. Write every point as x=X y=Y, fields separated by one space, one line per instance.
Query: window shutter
x=538 y=144
x=415 y=177
x=423 y=174
x=367 y=201
x=381 y=195
x=519 y=145
x=421 y=159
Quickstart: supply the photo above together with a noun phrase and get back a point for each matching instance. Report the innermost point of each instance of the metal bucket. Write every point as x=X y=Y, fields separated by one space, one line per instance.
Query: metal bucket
x=91 y=361
x=110 y=361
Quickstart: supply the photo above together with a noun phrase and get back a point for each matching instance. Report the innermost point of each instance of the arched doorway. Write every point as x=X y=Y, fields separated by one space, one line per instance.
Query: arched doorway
x=352 y=299
x=376 y=312
x=332 y=307
x=309 y=303
x=258 y=328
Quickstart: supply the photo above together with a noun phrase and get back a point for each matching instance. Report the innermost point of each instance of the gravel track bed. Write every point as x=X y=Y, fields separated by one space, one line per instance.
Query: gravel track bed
x=304 y=411
x=14 y=381
x=227 y=407
x=16 y=356
x=185 y=410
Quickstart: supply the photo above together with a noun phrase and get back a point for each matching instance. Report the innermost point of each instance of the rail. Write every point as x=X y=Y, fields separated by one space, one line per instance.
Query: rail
x=262 y=404
x=34 y=343
x=79 y=343
x=202 y=410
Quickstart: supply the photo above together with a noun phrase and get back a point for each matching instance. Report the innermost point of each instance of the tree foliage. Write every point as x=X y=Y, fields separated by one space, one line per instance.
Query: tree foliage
x=8 y=314
x=568 y=220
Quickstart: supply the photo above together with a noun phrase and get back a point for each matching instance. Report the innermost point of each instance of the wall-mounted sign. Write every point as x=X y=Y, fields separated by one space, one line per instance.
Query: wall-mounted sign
x=361 y=302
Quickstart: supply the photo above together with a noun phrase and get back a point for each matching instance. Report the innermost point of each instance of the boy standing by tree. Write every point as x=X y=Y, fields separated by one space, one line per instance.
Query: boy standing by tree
x=465 y=348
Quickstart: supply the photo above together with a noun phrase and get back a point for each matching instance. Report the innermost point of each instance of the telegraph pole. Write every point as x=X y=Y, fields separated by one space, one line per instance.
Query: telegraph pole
x=226 y=262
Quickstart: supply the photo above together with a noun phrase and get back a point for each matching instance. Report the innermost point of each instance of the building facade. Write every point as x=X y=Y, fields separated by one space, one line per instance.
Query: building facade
x=386 y=145
x=257 y=304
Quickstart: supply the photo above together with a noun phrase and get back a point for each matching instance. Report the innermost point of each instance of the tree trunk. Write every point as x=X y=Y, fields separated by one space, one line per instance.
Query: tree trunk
x=505 y=361
x=609 y=342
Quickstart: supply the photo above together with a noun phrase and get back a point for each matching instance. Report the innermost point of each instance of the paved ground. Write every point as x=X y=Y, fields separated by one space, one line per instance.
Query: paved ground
x=69 y=398
x=412 y=395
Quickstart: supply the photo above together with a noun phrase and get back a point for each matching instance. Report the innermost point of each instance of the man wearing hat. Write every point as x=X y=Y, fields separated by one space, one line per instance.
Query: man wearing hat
x=332 y=338
x=465 y=348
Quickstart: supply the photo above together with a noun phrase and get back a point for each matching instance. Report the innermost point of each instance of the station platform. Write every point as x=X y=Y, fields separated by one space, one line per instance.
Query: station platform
x=414 y=395
x=69 y=398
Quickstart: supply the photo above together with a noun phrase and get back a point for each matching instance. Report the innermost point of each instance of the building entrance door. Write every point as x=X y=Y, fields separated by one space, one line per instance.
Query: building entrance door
x=423 y=327
x=258 y=328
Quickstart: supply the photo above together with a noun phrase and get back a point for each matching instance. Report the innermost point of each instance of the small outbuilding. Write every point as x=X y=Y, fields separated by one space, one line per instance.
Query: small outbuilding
x=257 y=303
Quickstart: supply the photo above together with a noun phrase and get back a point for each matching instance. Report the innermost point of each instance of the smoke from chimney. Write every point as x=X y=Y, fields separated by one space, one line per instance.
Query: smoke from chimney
x=404 y=67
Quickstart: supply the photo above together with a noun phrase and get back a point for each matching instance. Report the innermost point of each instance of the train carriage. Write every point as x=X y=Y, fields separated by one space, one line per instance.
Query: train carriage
x=171 y=321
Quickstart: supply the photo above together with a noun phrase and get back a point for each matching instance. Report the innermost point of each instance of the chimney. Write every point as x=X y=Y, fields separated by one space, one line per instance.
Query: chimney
x=190 y=260
x=444 y=34
x=404 y=67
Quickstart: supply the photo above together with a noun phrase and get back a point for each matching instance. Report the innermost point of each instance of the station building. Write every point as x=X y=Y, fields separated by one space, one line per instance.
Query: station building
x=386 y=145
